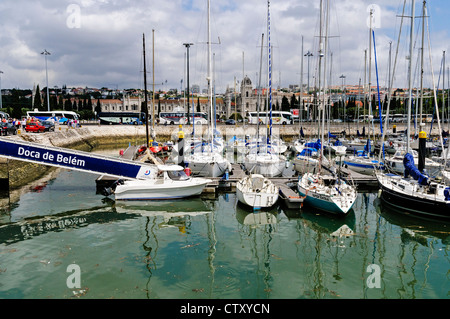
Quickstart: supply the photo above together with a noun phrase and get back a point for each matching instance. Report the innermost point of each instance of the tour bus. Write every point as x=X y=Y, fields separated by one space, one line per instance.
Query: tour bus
x=182 y=118
x=278 y=117
x=134 y=118
x=60 y=116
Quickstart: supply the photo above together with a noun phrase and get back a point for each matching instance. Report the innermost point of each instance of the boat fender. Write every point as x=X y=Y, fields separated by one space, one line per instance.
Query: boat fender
x=447 y=193
x=121 y=152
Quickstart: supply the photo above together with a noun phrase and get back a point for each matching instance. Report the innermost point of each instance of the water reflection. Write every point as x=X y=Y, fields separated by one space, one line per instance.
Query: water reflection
x=174 y=213
x=414 y=227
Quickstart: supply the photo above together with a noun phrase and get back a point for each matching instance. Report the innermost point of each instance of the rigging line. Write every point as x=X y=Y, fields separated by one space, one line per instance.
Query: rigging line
x=434 y=88
x=392 y=78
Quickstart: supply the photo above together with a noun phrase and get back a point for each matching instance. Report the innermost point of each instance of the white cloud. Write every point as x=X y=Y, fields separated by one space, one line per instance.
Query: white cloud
x=106 y=48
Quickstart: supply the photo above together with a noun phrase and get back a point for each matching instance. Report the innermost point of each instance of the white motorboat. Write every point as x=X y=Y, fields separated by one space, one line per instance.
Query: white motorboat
x=257 y=191
x=173 y=183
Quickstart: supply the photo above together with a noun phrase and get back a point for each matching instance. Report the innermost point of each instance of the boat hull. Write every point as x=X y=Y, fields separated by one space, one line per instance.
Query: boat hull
x=257 y=191
x=362 y=165
x=207 y=165
x=413 y=203
x=159 y=189
x=329 y=201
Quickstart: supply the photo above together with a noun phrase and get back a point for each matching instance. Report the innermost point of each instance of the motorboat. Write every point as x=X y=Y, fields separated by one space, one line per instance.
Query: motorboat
x=257 y=191
x=172 y=183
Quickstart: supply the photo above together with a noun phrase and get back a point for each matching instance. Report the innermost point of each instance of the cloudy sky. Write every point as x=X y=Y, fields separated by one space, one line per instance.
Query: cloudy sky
x=98 y=43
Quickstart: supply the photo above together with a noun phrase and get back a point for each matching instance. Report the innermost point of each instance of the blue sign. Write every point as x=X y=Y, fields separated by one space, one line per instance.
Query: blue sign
x=74 y=160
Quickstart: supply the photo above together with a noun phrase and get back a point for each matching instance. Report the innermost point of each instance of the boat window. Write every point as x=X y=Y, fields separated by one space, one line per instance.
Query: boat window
x=177 y=175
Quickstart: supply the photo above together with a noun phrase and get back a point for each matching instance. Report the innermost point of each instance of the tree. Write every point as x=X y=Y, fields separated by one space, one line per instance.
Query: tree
x=37 y=104
x=285 y=106
x=89 y=104
x=98 y=107
x=68 y=105
x=294 y=102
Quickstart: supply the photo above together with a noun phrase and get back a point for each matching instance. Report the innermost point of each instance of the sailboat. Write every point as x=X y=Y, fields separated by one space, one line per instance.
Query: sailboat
x=264 y=159
x=415 y=192
x=170 y=182
x=208 y=160
x=333 y=194
x=257 y=191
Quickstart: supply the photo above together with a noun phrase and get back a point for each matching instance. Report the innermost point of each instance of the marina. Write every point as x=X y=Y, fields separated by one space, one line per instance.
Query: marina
x=203 y=248
x=251 y=194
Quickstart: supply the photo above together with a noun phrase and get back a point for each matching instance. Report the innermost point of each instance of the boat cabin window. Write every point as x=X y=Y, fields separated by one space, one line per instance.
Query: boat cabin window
x=177 y=175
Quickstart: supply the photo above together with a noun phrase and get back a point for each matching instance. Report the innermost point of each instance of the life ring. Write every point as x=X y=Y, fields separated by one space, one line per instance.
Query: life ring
x=187 y=171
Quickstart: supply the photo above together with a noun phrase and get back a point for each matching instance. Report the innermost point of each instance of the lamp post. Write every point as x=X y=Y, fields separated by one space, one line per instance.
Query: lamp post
x=1 y=103
x=45 y=53
x=187 y=45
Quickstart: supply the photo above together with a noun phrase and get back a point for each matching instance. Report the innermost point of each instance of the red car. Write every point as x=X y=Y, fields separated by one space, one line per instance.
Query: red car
x=34 y=127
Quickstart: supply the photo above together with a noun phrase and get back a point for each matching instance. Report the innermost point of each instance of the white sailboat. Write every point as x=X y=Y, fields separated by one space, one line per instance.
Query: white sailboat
x=395 y=163
x=257 y=191
x=264 y=159
x=332 y=195
x=208 y=160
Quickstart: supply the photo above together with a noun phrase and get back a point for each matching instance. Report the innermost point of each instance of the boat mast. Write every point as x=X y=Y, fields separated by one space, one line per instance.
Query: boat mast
x=320 y=80
x=153 y=133
x=259 y=93
x=145 y=93
x=208 y=78
x=408 y=147
x=421 y=67
x=269 y=71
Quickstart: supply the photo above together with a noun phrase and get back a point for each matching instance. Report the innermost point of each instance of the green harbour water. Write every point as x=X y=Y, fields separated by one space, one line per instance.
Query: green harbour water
x=213 y=249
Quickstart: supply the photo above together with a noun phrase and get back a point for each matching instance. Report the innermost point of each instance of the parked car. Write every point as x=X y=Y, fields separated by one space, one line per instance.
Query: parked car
x=8 y=128
x=230 y=122
x=34 y=127
x=49 y=126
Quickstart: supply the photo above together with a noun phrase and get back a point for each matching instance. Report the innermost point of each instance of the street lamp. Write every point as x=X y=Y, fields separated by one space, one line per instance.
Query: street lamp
x=187 y=45
x=1 y=105
x=45 y=53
